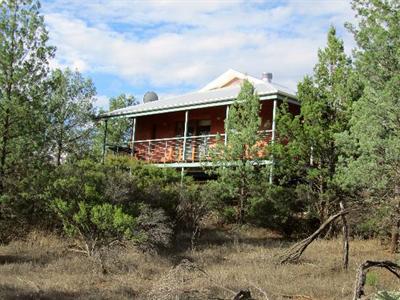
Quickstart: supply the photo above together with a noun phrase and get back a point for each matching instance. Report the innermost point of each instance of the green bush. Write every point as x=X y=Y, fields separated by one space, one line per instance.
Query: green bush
x=101 y=204
x=371 y=279
x=276 y=208
x=97 y=226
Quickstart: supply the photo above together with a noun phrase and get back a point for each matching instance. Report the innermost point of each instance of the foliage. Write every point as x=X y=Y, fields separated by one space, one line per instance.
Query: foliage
x=237 y=163
x=192 y=209
x=118 y=130
x=155 y=228
x=70 y=114
x=97 y=225
x=275 y=207
x=305 y=150
x=371 y=163
x=372 y=279
x=117 y=201
x=24 y=56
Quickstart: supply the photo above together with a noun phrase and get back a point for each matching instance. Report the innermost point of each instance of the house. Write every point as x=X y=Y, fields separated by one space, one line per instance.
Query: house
x=179 y=131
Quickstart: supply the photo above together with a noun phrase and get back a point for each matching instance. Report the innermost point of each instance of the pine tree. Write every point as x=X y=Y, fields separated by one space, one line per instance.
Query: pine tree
x=372 y=163
x=24 y=55
x=237 y=163
x=306 y=152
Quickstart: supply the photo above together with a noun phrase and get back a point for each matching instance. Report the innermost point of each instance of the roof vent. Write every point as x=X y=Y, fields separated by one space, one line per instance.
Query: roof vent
x=266 y=76
x=150 y=97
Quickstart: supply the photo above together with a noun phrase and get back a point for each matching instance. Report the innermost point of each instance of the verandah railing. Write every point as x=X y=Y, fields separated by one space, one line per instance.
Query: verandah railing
x=179 y=149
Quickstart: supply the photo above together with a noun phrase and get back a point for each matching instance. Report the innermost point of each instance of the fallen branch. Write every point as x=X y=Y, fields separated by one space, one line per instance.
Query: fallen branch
x=259 y=289
x=294 y=252
x=363 y=270
x=243 y=295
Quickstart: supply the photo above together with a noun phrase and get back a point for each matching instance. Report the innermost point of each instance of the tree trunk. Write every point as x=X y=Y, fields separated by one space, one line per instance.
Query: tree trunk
x=4 y=147
x=59 y=153
x=345 y=230
x=395 y=237
x=396 y=222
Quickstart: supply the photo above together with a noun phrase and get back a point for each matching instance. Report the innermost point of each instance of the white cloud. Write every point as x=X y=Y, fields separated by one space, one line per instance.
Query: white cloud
x=161 y=44
x=102 y=102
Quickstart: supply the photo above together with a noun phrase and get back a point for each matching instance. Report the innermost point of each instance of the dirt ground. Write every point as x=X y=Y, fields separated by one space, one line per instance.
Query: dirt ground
x=224 y=262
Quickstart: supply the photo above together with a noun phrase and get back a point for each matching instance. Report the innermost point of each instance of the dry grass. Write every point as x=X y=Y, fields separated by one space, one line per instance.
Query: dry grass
x=41 y=268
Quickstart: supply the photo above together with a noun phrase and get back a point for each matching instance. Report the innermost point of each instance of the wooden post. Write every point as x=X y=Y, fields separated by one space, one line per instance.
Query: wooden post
x=182 y=175
x=104 y=140
x=226 y=125
x=149 y=151
x=273 y=138
x=345 y=230
x=185 y=134
x=133 y=133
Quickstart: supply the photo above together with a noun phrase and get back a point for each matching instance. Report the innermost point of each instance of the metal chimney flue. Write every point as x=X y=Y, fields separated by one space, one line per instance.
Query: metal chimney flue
x=266 y=76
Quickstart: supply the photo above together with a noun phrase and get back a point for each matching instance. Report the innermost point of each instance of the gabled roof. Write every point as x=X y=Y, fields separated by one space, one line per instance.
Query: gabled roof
x=221 y=91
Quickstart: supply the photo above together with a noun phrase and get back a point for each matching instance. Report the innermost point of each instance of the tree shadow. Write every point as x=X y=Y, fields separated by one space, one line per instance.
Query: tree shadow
x=215 y=236
x=12 y=293
x=19 y=259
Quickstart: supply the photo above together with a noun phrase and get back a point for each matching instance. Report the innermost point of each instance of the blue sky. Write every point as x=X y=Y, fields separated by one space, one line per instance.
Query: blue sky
x=174 y=47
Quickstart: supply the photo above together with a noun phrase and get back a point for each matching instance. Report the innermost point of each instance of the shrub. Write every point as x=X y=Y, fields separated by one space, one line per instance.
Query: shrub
x=97 y=226
x=193 y=207
x=275 y=207
x=113 y=202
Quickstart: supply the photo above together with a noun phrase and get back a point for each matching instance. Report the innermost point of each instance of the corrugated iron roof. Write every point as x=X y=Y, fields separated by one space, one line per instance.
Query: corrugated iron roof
x=201 y=98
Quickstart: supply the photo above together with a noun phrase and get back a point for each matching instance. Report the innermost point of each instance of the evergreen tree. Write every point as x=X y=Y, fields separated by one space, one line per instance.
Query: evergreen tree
x=24 y=55
x=306 y=152
x=70 y=113
x=120 y=129
x=372 y=163
x=238 y=162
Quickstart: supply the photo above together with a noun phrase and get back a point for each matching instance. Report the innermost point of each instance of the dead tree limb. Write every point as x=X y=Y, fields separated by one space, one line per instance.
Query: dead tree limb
x=345 y=229
x=243 y=295
x=363 y=270
x=294 y=252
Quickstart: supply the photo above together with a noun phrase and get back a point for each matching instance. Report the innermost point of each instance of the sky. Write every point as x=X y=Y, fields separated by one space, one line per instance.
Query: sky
x=175 y=47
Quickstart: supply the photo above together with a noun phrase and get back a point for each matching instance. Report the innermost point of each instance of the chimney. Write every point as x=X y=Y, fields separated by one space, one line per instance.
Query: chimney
x=266 y=76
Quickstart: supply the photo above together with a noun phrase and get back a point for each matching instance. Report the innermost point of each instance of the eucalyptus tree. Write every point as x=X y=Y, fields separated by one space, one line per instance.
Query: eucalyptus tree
x=119 y=129
x=372 y=162
x=24 y=55
x=70 y=114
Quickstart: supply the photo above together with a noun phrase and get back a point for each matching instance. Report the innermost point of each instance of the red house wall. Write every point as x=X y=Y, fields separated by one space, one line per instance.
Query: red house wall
x=165 y=125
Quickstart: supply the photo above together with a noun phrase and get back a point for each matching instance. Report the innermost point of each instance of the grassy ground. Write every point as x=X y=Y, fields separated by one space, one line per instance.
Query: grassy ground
x=224 y=262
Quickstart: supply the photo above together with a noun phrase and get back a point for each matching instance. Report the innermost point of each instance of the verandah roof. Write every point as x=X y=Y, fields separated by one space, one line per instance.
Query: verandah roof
x=202 y=98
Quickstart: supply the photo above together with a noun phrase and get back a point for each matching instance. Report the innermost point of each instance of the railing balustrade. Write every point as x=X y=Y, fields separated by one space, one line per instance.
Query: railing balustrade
x=171 y=150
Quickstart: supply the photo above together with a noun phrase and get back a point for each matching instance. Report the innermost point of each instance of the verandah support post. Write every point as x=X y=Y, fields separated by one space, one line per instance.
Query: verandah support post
x=273 y=138
x=226 y=125
x=185 y=135
x=133 y=133
x=182 y=175
x=104 y=140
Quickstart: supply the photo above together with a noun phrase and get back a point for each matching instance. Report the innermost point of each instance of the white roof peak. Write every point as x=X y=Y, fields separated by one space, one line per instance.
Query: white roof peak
x=228 y=78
